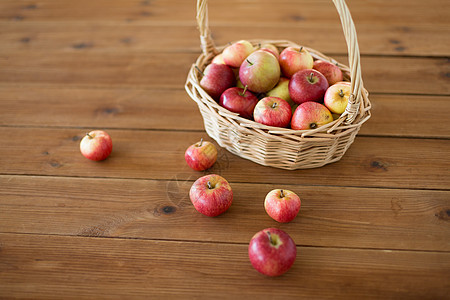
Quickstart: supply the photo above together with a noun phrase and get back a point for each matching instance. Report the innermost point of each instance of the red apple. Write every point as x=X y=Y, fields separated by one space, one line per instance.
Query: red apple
x=201 y=156
x=240 y=101
x=336 y=97
x=282 y=205
x=310 y=115
x=270 y=48
x=216 y=79
x=273 y=111
x=307 y=85
x=234 y=54
x=293 y=60
x=272 y=252
x=96 y=145
x=211 y=195
x=260 y=71
x=331 y=71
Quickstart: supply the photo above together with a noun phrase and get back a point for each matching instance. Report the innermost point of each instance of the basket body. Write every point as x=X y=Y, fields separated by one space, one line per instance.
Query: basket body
x=282 y=148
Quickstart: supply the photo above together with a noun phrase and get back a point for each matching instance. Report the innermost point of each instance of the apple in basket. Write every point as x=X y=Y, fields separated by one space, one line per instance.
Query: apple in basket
x=331 y=71
x=240 y=101
x=271 y=49
x=293 y=60
x=307 y=85
x=272 y=252
x=201 y=156
x=216 y=79
x=234 y=54
x=211 y=195
x=281 y=90
x=282 y=205
x=336 y=97
x=310 y=115
x=260 y=71
x=96 y=145
x=273 y=111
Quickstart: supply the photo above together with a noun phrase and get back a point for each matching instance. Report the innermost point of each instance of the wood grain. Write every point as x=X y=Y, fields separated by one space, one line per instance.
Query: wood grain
x=374 y=162
x=158 y=209
x=61 y=267
x=137 y=108
x=164 y=70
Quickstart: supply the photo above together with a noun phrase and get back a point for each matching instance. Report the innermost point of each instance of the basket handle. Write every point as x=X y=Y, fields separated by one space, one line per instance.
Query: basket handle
x=354 y=101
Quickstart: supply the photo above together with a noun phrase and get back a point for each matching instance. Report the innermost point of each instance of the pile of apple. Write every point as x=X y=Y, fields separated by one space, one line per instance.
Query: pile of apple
x=271 y=251
x=287 y=89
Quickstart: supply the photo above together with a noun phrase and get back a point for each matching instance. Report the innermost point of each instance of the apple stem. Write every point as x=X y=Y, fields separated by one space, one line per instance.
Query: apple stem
x=90 y=136
x=243 y=92
x=341 y=93
x=249 y=62
x=198 y=69
x=209 y=185
x=281 y=194
x=274 y=105
x=313 y=125
x=200 y=143
x=301 y=48
x=311 y=76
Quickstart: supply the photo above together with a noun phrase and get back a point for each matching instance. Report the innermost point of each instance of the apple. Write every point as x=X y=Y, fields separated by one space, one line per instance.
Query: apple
x=281 y=90
x=218 y=59
x=273 y=111
x=336 y=97
x=310 y=115
x=282 y=205
x=293 y=60
x=201 y=156
x=234 y=54
x=216 y=79
x=240 y=101
x=307 y=85
x=272 y=252
x=260 y=71
x=271 y=49
x=211 y=195
x=331 y=71
x=96 y=145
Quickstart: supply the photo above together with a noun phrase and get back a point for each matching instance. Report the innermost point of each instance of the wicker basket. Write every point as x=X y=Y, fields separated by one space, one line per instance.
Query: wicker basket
x=282 y=147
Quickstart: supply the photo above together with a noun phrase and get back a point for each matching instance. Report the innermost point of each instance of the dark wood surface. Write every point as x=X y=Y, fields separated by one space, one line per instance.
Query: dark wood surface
x=375 y=225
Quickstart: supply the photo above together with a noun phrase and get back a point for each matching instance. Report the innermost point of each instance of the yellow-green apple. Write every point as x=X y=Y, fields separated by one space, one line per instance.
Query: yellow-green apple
x=240 y=101
x=281 y=90
x=310 y=115
x=234 y=54
x=216 y=79
x=336 y=97
x=331 y=71
x=272 y=251
x=96 y=145
x=201 y=155
x=211 y=195
x=273 y=111
x=218 y=59
x=260 y=71
x=270 y=48
x=282 y=205
x=307 y=85
x=293 y=60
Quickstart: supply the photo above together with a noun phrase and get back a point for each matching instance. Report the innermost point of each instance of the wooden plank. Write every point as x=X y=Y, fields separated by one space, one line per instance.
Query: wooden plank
x=166 y=70
x=401 y=13
x=55 y=267
x=371 y=162
x=173 y=109
x=329 y=216
x=373 y=39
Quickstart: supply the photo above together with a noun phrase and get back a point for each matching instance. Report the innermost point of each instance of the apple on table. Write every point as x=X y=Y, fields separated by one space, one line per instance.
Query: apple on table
x=282 y=205
x=211 y=195
x=201 y=156
x=272 y=251
x=96 y=145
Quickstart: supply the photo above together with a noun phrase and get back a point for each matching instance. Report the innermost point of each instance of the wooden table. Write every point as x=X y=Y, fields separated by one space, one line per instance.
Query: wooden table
x=373 y=225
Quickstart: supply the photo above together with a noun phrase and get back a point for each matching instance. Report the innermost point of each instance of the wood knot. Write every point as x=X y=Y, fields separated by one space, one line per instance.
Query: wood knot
x=169 y=209
x=378 y=166
x=443 y=214
x=107 y=111
x=297 y=18
x=82 y=45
